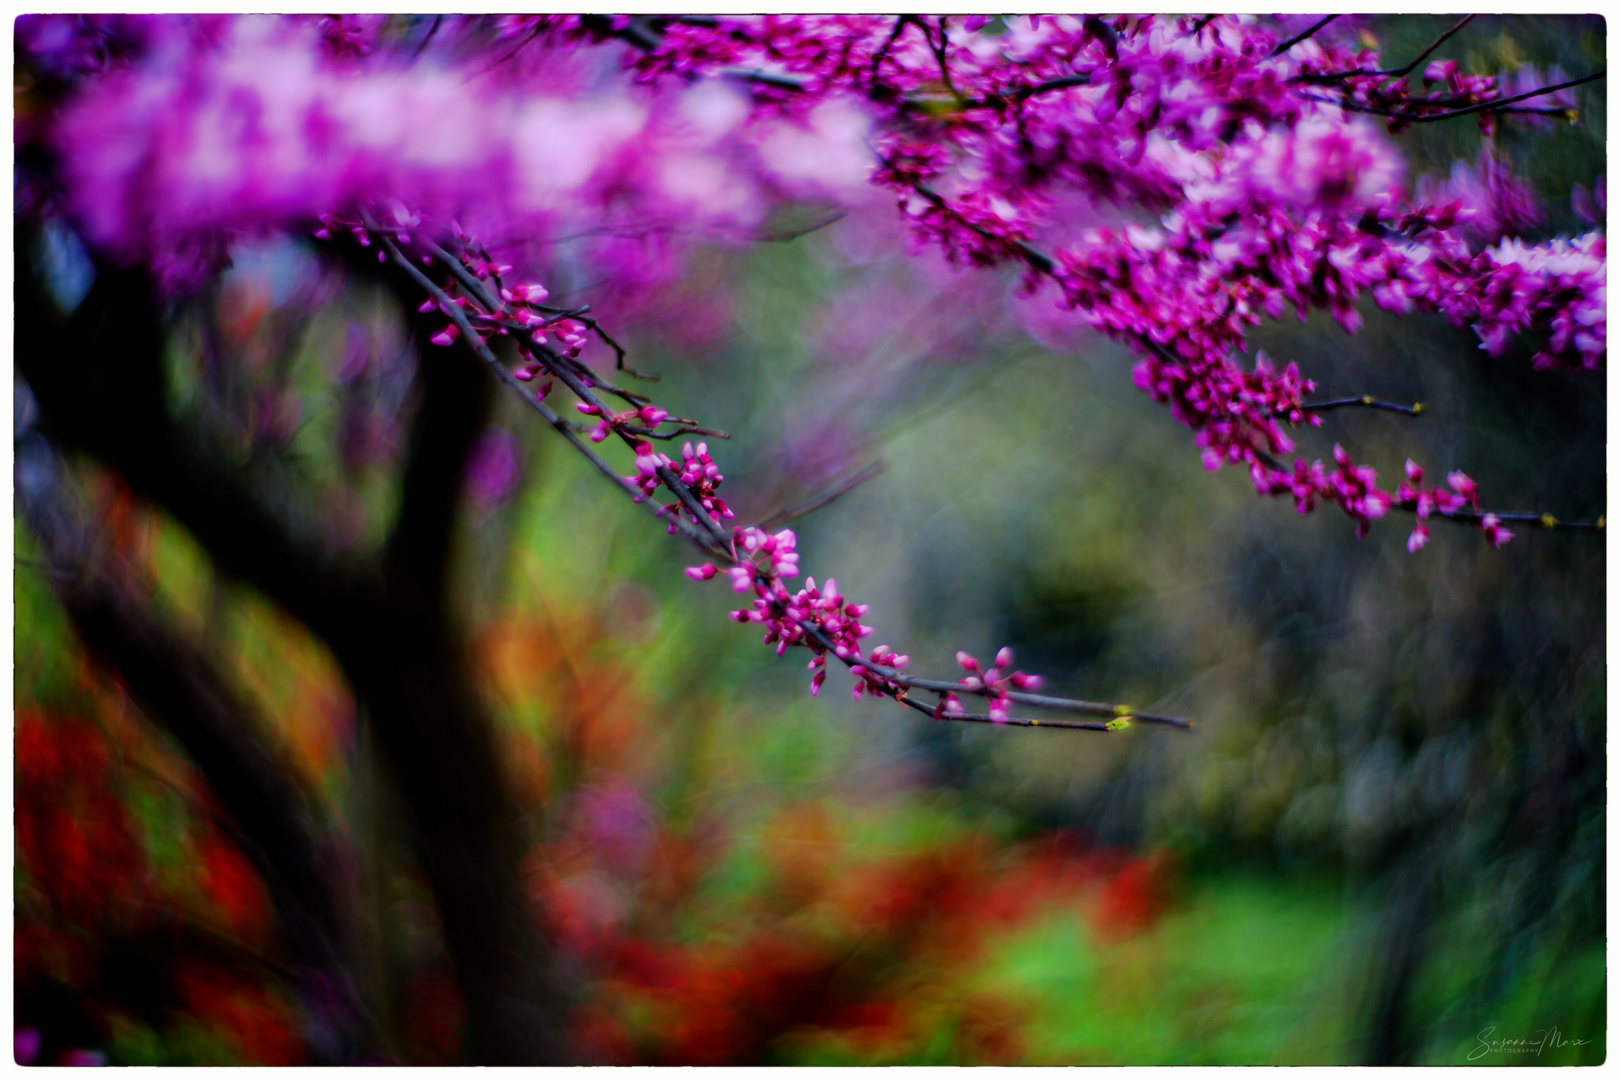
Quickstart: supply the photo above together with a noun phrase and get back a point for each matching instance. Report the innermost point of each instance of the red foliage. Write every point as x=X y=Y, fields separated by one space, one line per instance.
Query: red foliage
x=876 y=943
x=232 y=888
x=247 y=1012
x=102 y=898
x=1136 y=897
x=74 y=835
x=433 y=1017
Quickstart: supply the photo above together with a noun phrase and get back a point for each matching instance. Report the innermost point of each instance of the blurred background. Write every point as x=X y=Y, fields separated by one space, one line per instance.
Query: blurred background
x=1385 y=836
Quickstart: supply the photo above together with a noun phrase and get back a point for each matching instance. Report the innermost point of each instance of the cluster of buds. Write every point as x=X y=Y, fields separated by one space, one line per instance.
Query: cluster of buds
x=526 y=321
x=778 y=549
x=819 y=619
x=650 y=415
x=1355 y=488
x=1464 y=495
x=838 y=620
x=648 y=462
x=404 y=221
x=698 y=472
x=521 y=312
x=702 y=477
x=484 y=269
x=524 y=312
x=995 y=684
x=824 y=621
x=532 y=369
x=753 y=543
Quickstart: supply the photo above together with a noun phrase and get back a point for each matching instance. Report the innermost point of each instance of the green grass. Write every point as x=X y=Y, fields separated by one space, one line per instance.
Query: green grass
x=1240 y=973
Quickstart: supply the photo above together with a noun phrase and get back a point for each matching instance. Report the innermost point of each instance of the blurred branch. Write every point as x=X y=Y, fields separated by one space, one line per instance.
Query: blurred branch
x=453 y=405
x=410 y=668
x=816 y=502
x=427 y=37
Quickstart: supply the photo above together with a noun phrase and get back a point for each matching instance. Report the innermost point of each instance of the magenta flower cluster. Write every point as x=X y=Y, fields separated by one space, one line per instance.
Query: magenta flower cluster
x=995 y=683
x=1248 y=170
x=698 y=472
x=1175 y=181
x=1280 y=195
x=820 y=619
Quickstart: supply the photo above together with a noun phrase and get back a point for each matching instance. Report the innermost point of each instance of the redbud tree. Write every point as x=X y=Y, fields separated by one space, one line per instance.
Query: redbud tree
x=1168 y=182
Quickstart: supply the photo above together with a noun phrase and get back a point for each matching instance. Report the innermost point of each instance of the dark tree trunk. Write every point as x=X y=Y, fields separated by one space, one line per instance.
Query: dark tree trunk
x=98 y=379
x=270 y=816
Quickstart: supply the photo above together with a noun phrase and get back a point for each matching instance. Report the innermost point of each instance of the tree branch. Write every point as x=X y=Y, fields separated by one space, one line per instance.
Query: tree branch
x=816 y=502
x=1338 y=76
x=1291 y=42
x=1366 y=401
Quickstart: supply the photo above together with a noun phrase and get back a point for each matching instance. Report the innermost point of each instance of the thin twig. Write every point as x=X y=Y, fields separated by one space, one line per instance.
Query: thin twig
x=1041 y=701
x=1011 y=721
x=1037 y=701
x=666 y=436
x=1024 y=93
x=1366 y=402
x=1506 y=517
x=1340 y=76
x=1291 y=42
x=1448 y=114
x=484 y=353
x=1424 y=55
x=843 y=487
x=1035 y=259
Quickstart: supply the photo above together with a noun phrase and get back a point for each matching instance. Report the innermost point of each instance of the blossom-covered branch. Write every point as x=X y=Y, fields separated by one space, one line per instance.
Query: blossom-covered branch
x=819 y=620
x=1238 y=171
x=1297 y=215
